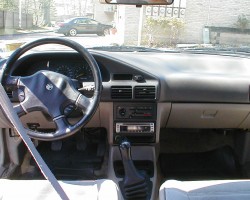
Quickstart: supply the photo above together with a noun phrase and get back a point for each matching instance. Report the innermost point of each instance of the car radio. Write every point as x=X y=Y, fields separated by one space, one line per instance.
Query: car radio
x=135 y=127
x=135 y=121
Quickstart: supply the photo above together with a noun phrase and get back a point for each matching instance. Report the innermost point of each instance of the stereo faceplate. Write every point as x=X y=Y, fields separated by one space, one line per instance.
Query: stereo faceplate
x=147 y=127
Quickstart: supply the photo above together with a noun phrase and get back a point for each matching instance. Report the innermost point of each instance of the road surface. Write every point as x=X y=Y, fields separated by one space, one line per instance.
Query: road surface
x=87 y=40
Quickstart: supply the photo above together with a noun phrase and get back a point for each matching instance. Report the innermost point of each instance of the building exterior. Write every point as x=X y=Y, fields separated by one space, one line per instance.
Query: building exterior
x=212 y=27
x=213 y=17
x=104 y=13
x=131 y=27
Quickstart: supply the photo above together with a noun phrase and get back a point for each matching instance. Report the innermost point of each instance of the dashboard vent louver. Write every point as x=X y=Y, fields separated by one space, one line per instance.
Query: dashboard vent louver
x=145 y=92
x=121 y=92
x=9 y=94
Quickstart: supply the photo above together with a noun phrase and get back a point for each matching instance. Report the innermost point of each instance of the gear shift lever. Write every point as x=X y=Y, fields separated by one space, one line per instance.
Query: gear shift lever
x=134 y=185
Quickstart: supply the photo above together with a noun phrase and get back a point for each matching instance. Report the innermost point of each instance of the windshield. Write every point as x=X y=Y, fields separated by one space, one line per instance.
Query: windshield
x=186 y=24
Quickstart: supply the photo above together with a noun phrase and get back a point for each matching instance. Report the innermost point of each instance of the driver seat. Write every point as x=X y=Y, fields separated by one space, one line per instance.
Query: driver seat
x=41 y=189
x=205 y=190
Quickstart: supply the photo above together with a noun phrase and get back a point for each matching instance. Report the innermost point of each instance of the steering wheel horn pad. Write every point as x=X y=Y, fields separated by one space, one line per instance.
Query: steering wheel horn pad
x=46 y=89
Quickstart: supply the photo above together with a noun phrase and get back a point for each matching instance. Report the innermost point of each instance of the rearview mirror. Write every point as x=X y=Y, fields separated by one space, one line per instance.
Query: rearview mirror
x=140 y=2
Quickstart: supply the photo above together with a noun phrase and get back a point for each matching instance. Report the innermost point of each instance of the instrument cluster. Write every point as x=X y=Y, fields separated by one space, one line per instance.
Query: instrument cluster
x=77 y=70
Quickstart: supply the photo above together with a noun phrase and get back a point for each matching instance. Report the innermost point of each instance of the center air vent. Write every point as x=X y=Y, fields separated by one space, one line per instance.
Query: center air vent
x=145 y=92
x=121 y=92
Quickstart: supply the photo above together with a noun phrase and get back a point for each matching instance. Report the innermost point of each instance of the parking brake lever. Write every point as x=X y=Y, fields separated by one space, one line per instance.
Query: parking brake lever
x=134 y=184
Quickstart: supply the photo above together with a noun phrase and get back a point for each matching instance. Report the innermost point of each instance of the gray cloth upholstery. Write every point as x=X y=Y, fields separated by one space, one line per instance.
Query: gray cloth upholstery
x=205 y=190
x=41 y=189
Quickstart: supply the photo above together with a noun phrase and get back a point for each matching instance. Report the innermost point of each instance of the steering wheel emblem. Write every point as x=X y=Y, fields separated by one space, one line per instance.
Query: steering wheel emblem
x=49 y=86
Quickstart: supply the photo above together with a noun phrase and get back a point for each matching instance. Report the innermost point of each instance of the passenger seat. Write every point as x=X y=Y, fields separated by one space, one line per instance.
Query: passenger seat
x=41 y=189
x=205 y=190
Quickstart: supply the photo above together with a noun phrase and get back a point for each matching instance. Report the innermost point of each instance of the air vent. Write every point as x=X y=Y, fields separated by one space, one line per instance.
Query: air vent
x=10 y=94
x=121 y=92
x=145 y=92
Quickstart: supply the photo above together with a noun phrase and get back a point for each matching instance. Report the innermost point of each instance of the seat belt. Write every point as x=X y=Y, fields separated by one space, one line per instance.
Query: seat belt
x=10 y=113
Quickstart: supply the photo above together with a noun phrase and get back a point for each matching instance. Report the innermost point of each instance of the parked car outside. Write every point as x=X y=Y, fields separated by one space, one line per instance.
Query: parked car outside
x=82 y=25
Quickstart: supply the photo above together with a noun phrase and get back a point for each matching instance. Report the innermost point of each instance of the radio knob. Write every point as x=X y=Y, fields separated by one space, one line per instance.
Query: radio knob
x=122 y=112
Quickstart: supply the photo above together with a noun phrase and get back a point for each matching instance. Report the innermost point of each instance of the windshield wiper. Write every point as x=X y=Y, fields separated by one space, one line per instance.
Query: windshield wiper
x=123 y=48
x=202 y=50
x=220 y=50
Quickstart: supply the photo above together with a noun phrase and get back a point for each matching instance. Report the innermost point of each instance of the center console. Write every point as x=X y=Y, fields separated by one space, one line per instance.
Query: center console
x=135 y=121
x=135 y=124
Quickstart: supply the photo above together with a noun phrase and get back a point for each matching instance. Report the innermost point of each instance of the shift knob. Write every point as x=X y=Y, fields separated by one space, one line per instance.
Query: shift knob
x=134 y=185
x=125 y=150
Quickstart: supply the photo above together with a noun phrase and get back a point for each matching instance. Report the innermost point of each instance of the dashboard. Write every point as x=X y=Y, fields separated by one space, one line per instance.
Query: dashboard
x=185 y=90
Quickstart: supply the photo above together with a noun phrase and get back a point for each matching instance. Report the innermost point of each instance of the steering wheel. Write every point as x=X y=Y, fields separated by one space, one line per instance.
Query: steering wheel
x=51 y=92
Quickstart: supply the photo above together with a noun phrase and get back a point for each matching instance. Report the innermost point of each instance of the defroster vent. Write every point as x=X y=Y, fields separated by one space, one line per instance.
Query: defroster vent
x=121 y=92
x=145 y=92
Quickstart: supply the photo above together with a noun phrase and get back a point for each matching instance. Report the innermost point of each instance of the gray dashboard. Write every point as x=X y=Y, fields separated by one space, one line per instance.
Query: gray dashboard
x=190 y=90
x=192 y=77
x=178 y=77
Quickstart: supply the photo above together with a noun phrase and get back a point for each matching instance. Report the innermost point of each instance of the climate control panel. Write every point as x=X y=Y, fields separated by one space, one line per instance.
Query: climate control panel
x=135 y=111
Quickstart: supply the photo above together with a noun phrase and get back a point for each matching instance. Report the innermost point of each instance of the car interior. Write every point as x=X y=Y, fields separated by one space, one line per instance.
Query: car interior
x=123 y=125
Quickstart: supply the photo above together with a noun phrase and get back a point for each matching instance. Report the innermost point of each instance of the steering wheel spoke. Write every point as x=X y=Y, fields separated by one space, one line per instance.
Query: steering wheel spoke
x=62 y=125
x=83 y=102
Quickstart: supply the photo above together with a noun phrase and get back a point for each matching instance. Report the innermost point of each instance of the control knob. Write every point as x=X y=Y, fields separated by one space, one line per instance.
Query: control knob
x=122 y=112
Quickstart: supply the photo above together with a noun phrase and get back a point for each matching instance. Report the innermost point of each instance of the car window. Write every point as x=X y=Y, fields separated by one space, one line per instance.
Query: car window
x=92 y=22
x=82 y=21
x=75 y=21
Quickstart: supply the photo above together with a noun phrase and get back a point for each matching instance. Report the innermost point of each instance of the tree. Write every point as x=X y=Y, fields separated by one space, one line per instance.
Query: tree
x=46 y=10
x=242 y=22
x=41 y=11
x=169 y=29
x=9 y=5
